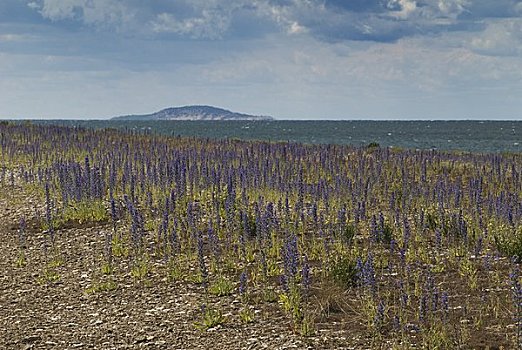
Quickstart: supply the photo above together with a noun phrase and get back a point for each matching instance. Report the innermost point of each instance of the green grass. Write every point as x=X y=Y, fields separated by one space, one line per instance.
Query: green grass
x=222 y=287
x=79 y=213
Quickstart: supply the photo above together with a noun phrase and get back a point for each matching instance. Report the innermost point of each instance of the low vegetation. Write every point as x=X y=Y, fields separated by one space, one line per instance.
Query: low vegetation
x=392 y=248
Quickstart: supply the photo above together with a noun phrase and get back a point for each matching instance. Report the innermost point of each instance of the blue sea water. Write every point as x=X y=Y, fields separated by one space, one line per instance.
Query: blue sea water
x=472 y=136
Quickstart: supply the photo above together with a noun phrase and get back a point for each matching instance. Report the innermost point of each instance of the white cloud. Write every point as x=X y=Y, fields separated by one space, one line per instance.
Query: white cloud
x=428 y=9
x=422 y=66
x=501 y=37
x=407 y=8
x=453 y=8
x=91 y=12
x=210 y=25
x=13 y=37
x=296 y=28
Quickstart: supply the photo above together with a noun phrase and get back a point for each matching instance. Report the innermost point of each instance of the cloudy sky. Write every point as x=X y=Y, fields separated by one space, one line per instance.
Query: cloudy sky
x=293 y=59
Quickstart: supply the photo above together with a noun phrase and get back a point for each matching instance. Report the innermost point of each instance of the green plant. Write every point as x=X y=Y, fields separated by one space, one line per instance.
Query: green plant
x=175 y=272
x=106 y=269
x=48 y=275
x=387 y=234
x=431 y=221
x=194 y=277
x=344 y=271
x=20 y=260
x=55 y=262
x=222 y=287
x=269 y=295
x=437 y=337
x=101 y=287
x=150 y=225
x=140 y=269
x=210 y=318
x=291 y=303
x=80 y=213
x=368 y=310
x=510 y=246
x=118 y=248
x=348 y=234
x=246 y=314
x=307 y=328
x=469 y=271
x=272 y=268
x=250 y=254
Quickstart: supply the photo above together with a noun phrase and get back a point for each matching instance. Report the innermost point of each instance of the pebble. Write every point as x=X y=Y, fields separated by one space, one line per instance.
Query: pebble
x=31 y=339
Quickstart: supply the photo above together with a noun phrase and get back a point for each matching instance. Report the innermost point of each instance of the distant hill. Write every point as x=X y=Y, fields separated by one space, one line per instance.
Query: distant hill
x=193 y=113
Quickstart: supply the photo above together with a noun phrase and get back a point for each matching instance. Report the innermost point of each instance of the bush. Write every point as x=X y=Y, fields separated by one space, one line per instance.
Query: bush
x=510 y=246
x=387 y=234
x=344 y=272
x=348 y=234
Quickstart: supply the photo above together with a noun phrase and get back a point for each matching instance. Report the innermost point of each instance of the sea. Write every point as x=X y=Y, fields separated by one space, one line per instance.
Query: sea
x=468 y=136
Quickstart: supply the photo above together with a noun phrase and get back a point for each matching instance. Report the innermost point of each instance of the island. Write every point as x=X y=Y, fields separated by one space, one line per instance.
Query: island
x=193 y=113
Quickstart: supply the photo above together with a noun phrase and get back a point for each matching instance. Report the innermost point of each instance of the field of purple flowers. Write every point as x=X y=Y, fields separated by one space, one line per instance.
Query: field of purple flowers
x=342 y=247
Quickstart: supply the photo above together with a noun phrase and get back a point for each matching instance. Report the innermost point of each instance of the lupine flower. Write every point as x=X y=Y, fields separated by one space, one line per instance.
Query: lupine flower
x=305 y=279
x=264 y=264
x=516 y=290
x=406 y=234
x=243 y=283
x=21 y=232
x=379 y=315
x=290 y=257
x=438 y=239
x=113 y=214
x=201 y=259
x=422 y=308
x=445 y=302
x=374 y=234
x=48 y=216
x=396 y=323
x=213 y=241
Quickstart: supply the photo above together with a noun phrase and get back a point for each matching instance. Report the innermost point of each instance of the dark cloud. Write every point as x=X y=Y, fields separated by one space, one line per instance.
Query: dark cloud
x=327 y=20
x=388 y=21
x=479 y=9
x=358 y=6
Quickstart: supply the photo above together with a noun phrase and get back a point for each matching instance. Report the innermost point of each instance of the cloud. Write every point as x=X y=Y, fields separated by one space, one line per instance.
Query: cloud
x=369 y=20
x=415 y=65
x=502 y=37
x=483 y=9
x=13 y=38
x=100 y=13
x=209 y=25
x=289 y=76
x=370 y=57
x=405 y=8
x=217 y=19
x=327 y=20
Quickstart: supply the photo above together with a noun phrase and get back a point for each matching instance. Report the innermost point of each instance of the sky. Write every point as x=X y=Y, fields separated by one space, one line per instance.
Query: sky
x=291 y=59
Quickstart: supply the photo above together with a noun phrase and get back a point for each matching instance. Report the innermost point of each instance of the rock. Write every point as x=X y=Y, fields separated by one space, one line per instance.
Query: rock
x=31 y=339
